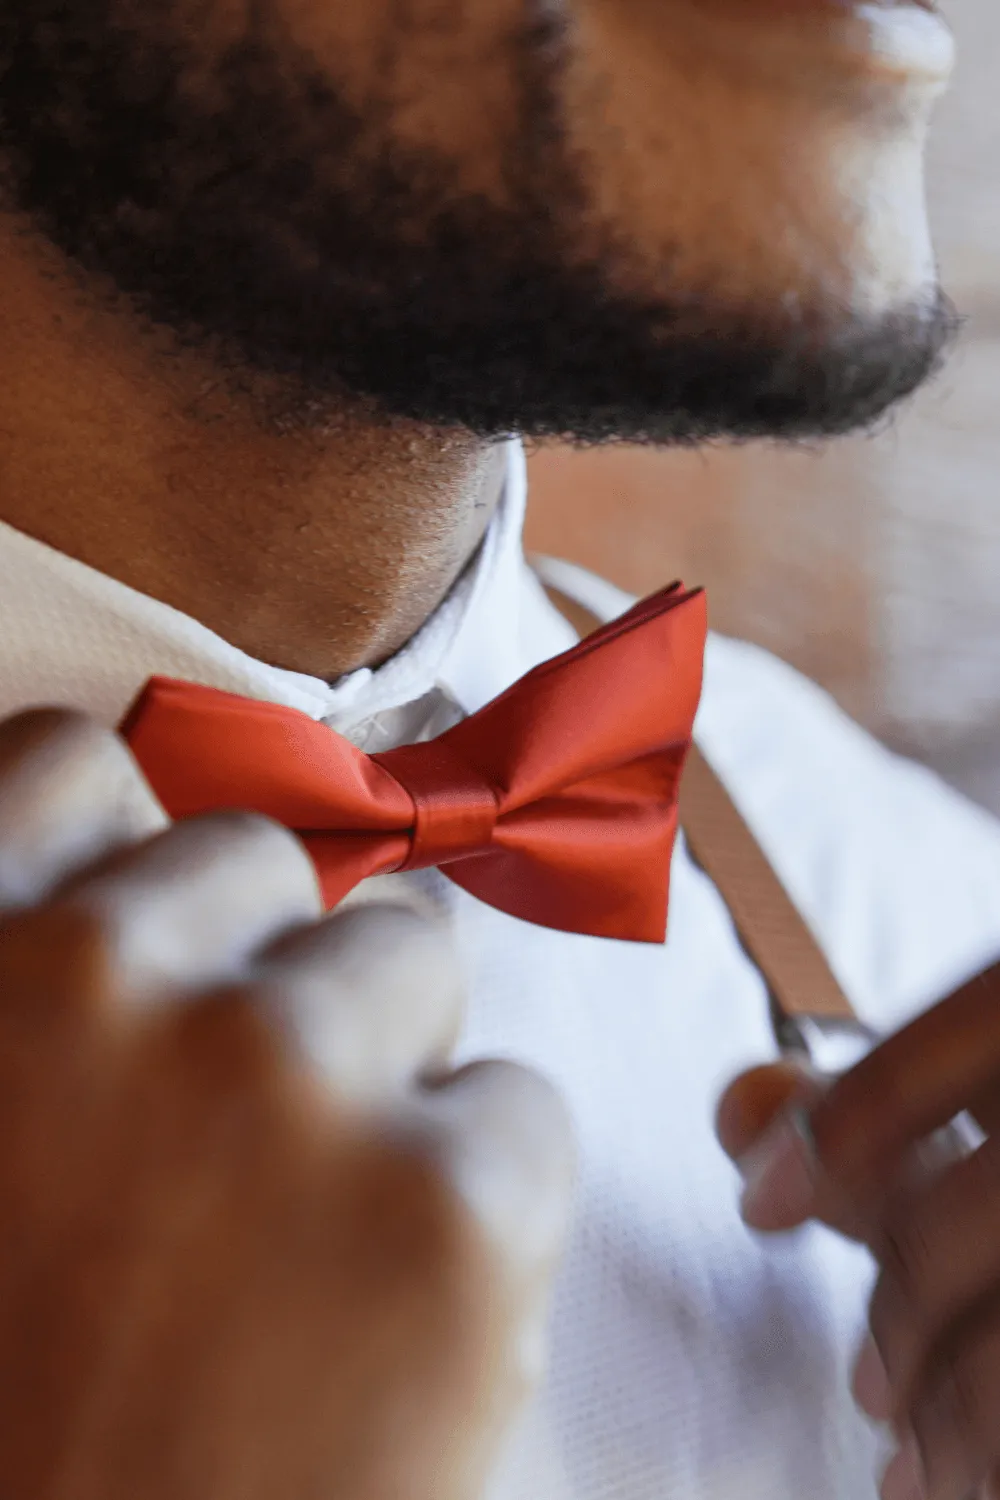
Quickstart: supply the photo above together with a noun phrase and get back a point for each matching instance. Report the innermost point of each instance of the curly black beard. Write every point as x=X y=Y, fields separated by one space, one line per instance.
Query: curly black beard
x=296 y=241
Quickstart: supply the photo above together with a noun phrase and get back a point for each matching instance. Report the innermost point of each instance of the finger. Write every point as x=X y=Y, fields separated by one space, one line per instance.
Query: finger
x=373 y=995
x=752 y=1115
x=503 y=1138
x=954 y=1417
x=867 y=1130
x=755 y=1100
x=191 y=907
x=939 y=1257
x=786 y=1182
x=911 y=1086
x=70 y=794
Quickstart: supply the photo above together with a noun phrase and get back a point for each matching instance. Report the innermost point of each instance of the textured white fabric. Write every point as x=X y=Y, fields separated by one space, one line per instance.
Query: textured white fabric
x=690 y=1361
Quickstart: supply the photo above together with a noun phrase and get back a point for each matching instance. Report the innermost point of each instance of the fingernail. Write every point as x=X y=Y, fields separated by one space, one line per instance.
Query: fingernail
x=904 y=1478
x=870 y=1385
x=778 y=1184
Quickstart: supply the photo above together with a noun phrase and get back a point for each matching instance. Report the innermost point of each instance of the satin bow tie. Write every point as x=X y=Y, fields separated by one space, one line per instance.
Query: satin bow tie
x=557 y=802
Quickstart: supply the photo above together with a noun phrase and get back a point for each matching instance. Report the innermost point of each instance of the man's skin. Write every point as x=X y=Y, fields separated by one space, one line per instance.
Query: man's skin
x=274 y=280
x=317 y=551
x=767 y=187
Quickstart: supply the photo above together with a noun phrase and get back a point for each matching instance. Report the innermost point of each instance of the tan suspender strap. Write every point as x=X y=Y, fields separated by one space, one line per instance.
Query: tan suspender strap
x=799 y=979
x=770 y=926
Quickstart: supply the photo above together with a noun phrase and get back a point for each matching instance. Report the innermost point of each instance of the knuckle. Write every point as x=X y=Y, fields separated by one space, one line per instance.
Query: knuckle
x=504 y=1099
x=528 y=1094
x=373 y=996
x=68 y=790
x=60 y=741
x=24 y=732
x=392 y=957
x=190 y=906
x=372 y=935
x=238 y=831
x=235 y=857
x=47 y=747
x=265 y=847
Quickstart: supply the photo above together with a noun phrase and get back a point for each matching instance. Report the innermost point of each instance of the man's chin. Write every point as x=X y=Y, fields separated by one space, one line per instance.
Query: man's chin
x=609 y=381
x=591 y=372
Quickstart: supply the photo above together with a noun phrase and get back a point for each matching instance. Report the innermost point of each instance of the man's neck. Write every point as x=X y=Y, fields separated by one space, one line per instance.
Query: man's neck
x=316 y=547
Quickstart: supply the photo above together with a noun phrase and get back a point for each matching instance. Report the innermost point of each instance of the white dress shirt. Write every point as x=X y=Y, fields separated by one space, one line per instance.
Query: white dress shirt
x=689 y=1360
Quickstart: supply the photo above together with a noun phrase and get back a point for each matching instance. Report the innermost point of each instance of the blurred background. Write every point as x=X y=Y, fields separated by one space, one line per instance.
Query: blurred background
x=874 y=564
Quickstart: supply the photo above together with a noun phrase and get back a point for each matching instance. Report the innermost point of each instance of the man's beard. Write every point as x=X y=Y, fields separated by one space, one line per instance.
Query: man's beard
x=297 y=242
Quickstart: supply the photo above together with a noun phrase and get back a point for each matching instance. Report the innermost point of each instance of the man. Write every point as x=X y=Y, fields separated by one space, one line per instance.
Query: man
x=277 y=283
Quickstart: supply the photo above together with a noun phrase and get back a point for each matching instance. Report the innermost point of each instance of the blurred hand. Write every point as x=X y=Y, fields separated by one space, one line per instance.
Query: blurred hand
x=257 y=1240
x=874 y=1154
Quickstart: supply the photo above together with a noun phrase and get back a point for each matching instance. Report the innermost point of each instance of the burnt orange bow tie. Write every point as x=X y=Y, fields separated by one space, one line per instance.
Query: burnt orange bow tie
x=557 y=802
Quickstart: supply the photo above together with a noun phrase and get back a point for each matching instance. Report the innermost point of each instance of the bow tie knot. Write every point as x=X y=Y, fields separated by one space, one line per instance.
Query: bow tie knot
x=455 y=808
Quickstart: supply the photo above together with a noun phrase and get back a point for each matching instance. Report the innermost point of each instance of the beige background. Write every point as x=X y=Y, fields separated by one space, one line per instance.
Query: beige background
x=875 y=564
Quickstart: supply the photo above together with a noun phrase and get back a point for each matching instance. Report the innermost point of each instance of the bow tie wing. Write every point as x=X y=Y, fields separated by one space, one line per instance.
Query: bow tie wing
x=629 y=691
x=202 y=750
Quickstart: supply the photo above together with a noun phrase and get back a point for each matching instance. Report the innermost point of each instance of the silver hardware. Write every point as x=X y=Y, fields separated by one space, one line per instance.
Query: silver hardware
x=828 y=1043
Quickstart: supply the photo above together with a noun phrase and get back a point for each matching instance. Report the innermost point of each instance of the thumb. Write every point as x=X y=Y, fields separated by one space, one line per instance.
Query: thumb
x=754 y=1125
x=754 y=1101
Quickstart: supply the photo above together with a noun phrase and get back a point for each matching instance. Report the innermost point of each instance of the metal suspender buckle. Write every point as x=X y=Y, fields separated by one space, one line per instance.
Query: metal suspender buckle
x=830 y=1044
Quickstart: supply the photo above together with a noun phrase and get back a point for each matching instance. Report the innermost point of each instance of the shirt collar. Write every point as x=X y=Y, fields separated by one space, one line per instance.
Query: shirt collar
x=76 y=637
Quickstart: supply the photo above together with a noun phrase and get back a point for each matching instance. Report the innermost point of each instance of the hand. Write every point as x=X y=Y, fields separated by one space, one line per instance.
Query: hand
x=866 y=1154
x=256 y=1240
